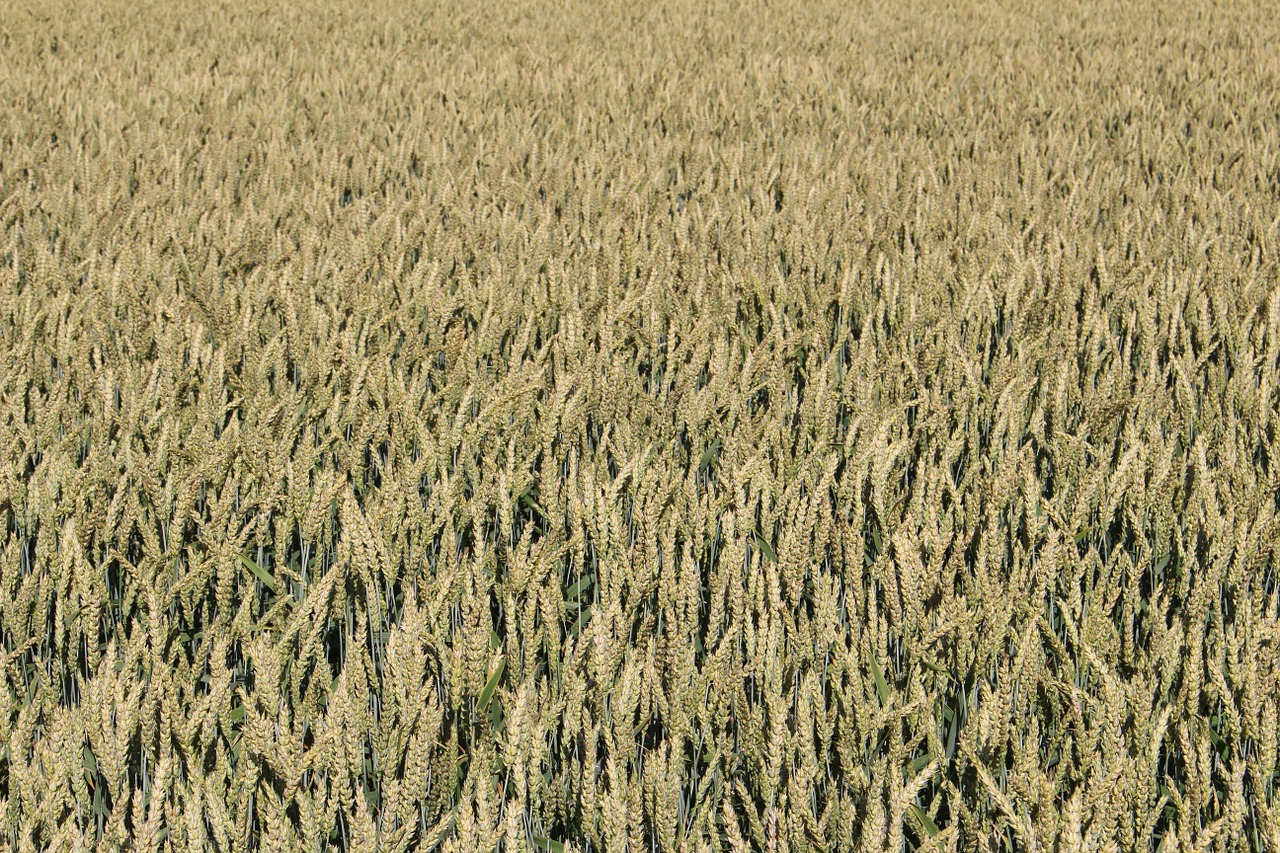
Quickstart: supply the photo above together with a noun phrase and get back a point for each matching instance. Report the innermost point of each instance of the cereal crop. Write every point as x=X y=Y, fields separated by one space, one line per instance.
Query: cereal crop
x=626 y=427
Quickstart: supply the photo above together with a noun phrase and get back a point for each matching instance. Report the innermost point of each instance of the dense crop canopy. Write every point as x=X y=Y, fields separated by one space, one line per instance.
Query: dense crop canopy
x=637 y=427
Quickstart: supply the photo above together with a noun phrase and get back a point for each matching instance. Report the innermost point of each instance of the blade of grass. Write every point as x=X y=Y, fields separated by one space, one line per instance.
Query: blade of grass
x=708 y=454
x=925 y=822
x=263 y=576
x=882 y=686
x=486 y=695
x=765 y=548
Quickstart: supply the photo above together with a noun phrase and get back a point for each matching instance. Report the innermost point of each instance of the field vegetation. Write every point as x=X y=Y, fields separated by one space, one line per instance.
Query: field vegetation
x=627 y=427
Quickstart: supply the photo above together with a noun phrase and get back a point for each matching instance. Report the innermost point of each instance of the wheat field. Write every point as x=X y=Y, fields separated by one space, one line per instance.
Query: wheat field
x=623 y=427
